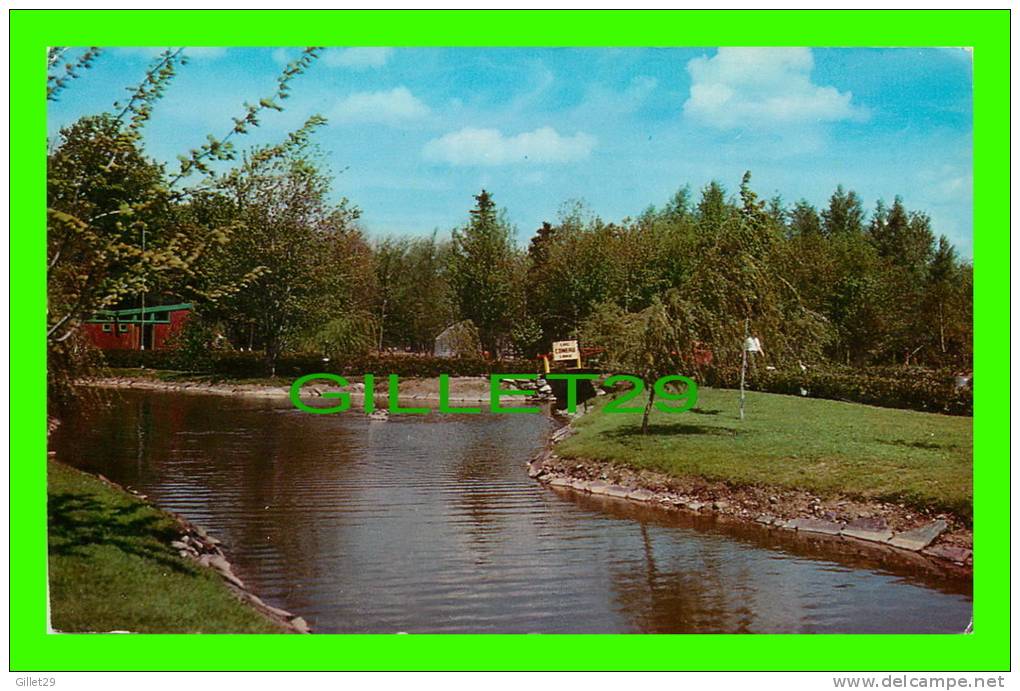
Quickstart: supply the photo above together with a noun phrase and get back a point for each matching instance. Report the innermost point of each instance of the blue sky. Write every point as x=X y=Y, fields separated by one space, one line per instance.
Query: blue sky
x=413 y=133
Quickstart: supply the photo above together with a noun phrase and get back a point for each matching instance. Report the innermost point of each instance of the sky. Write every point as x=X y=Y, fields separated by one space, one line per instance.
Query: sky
x=414 y=133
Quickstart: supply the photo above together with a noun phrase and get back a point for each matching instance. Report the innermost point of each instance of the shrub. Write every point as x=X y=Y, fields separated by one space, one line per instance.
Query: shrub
x=914 y=388
x=152 y=359
x=403 y=365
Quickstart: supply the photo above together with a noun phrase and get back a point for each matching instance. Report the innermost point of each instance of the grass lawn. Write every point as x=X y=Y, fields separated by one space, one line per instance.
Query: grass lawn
x=112 y=568
x=826 y=447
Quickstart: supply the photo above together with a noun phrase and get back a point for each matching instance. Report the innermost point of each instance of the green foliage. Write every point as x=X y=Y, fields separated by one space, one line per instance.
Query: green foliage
x=845 y=214
x=352 y=333
x=192 y=347
x=403 y=365
x=484 y=272
x=413 y=301
x=117 y=228
x=222 y=148
x=804 y=221
x=103 y=194
x=914 y=388
x=526 y=336
x=814 y=287
x=60 y=74
x=304 y=266
x=66 y=362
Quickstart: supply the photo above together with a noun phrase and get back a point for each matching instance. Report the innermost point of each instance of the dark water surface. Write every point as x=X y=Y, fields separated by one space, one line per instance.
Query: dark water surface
x=431 y=524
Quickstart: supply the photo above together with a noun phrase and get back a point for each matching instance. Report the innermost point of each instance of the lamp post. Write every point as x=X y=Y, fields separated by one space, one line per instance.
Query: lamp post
x=141 y=339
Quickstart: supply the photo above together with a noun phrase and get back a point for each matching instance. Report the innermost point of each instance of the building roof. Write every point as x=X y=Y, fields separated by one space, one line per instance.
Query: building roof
x=135 y=312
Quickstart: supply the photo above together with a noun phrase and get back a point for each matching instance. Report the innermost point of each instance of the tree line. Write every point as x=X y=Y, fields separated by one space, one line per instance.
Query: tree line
x=255 y=240
x=840 y=284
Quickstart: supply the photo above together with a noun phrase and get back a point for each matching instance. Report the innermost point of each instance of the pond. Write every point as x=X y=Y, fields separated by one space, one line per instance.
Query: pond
x=431 y=524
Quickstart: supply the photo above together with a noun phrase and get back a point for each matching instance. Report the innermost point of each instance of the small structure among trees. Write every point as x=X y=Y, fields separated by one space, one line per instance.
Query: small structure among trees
x=458 y=340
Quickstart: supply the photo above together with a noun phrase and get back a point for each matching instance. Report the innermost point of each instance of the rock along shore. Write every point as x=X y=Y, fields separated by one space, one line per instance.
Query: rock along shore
x=193 y=542
x=903 y=534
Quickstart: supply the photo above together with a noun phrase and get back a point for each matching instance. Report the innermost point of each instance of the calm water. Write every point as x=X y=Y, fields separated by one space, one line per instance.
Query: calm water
x=431 y=524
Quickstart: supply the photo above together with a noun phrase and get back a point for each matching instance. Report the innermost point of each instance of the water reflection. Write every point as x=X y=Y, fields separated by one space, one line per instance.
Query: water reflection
x=430 y=523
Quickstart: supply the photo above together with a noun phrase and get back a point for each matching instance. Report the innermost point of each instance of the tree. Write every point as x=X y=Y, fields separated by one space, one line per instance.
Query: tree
x=303 y=260
x=679 y=206
x=904 y=243
x=904 y=238
x=712 y=208
x=844 y=215
x=484 y=270
x=113 y=215
x=658 y=341
x=944 y=282
x=538 y=284
x=582 y=271
x=804 y=221
x=104 y=197
x=112 y=234
x=413 y=299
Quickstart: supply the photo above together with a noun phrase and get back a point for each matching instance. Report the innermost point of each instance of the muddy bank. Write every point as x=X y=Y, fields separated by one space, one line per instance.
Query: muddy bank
x=194 y=543
x=892 y=530
x=462 y=389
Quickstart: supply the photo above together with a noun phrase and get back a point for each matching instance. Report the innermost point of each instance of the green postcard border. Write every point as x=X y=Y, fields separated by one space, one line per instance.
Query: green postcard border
x=33 y=648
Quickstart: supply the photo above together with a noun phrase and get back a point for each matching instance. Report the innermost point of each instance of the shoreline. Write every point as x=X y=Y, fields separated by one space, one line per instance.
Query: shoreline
x=462 y=389
x=904 y=535
x=195 y=544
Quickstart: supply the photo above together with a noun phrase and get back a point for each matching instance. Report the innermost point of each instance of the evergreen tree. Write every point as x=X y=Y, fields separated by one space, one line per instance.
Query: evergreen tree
x=804 y=221
x=712 y=209
x=483 y=272
x=844 y=215
x=679 y=206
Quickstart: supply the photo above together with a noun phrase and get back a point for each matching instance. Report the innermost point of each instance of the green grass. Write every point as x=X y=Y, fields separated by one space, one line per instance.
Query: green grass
x=111 y=567
x=827 y=447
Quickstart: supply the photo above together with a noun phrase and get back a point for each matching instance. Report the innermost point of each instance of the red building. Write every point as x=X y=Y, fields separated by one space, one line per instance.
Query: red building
x=126 y=329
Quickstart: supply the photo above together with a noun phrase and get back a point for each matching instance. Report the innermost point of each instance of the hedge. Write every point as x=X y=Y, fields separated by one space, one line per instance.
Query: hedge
x=914 y=388
x=152 y=359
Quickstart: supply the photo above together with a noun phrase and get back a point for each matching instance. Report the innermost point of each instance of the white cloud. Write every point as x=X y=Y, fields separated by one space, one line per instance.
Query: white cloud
x=281 y=56
x=473 y=146
x=388 y=107
x=763 y=88
x=357 y=58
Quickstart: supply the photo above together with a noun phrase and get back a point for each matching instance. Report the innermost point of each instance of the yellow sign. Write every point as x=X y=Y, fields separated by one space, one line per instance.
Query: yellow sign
x=566 y=350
